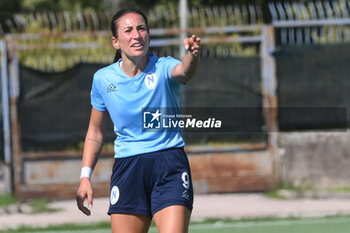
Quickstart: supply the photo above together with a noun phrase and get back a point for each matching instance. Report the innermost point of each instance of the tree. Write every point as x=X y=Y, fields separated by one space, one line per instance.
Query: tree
x=11 y=7
x=8 y=7
x=59 y=5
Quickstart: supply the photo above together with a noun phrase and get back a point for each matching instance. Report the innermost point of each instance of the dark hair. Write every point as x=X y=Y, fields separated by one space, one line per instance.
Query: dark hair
x=114 y=27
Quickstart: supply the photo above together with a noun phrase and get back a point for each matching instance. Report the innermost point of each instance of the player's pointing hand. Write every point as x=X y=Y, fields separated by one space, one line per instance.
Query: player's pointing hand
x=192 y=44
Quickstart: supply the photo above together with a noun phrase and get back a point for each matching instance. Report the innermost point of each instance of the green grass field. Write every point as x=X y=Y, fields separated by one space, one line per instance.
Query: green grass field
x=339 y=224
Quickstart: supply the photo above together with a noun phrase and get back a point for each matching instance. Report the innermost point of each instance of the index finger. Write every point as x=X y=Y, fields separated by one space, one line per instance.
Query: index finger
x=80 y=203
x=187 y=43
x=195 y=39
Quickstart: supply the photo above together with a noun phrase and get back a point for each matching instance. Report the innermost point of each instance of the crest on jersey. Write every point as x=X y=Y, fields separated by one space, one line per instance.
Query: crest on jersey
x=151 y=80
x=114 y=195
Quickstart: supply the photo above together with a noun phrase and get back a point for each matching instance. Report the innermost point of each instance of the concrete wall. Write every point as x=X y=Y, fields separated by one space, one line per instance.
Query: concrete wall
x=214 y=170
x=320 y=159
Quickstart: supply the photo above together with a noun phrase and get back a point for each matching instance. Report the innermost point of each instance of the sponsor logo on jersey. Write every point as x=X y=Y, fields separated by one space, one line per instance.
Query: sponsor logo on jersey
x=111 y=88
x=186 y=195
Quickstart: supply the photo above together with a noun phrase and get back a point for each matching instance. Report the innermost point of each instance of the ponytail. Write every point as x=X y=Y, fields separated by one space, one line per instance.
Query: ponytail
x=117 y=56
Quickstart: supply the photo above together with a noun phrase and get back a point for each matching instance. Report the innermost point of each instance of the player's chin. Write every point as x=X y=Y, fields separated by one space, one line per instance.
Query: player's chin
x=139 y=53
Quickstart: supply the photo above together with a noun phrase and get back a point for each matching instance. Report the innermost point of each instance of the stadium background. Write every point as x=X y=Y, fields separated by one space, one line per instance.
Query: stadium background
x=53 y=103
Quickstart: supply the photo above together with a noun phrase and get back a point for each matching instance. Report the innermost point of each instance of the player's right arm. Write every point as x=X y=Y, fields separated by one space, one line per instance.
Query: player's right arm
x=92 y=148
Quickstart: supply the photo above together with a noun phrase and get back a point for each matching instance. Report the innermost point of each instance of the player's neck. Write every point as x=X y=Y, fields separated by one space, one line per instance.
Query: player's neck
x=133 y=66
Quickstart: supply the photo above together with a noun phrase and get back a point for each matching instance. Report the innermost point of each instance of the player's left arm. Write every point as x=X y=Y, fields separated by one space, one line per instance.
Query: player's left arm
x=184 y=71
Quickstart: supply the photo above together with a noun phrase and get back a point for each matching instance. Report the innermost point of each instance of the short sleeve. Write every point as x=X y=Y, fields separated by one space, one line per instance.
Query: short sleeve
x=96 y=99
x=169 y=64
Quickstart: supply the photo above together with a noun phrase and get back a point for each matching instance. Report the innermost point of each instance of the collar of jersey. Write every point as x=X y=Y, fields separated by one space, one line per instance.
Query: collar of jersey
x=145 y=71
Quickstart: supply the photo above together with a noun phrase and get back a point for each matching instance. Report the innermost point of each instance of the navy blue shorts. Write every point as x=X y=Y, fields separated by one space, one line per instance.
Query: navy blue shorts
x=144 y=184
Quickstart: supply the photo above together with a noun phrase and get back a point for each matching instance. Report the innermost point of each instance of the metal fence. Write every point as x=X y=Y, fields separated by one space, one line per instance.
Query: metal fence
x=60 y=40
x=162 y=16
x=57 y=52
x=5 y=146
x=321 y=20
x=313 y=22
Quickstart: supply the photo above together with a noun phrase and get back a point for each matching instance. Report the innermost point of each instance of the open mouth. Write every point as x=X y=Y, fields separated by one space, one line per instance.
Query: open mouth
x=137 y=45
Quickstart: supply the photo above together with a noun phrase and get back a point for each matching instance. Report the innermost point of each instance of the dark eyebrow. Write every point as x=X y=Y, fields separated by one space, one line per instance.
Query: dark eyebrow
x=140 y=25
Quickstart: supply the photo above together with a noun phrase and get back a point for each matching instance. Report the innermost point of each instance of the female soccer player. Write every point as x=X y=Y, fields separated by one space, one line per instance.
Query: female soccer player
x=151 y=175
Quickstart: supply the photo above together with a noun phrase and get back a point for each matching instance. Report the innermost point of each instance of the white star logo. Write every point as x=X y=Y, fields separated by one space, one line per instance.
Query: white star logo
x=156 y=115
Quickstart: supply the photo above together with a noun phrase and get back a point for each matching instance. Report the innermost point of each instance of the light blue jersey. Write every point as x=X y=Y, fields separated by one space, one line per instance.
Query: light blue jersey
x=125 y=97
